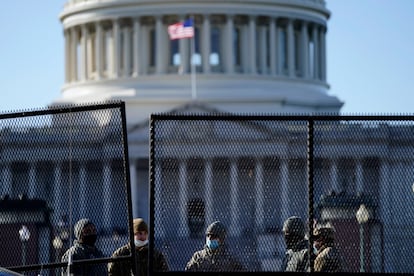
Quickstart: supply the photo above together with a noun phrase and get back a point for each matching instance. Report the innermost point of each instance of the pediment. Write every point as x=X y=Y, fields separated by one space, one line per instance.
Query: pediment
x=202 y=129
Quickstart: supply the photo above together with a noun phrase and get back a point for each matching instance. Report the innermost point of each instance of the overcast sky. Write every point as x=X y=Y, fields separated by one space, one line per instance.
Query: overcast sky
x=370 y=56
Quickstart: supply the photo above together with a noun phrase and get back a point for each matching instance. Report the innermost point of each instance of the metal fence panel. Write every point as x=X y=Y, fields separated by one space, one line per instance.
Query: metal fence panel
x=351 y=174
x=58 y=166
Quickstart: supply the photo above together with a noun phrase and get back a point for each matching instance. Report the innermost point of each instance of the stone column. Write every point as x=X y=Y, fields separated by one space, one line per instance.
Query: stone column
x=134 y=187
x=159 y=44
x=229 y=46
x=260 y=214
x=273 y=46
x=305 y=50
x=116 y=57
x=183 y=198
x=386 y=214
x=7 y=180
x=315 y=40
x=385 y=193
x=284 y=189
x=234 y=229
x=158 y=223
x=208 y=182
x=109 y=54
x=334 y=176
x=291 y=49
x=322 y=53
x=32 y=180
x=83 y=192
x=206 y=44
x=136 y=47
x=359 y=185
x=57 y=192
x=90 y=52
x=127 y=51
x=84 y=53
x=252 y=45
x=107 y=195
x=74 y=54
x=99 y=51
x=145 y=49
x=67 y=56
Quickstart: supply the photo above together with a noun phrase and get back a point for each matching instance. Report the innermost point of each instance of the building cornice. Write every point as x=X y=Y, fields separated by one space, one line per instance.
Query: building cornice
x=82 y=12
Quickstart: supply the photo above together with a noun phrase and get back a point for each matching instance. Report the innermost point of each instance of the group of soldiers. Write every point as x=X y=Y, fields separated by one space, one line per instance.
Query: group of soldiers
x=84 y=248
x=214 y=256
x=325 y=255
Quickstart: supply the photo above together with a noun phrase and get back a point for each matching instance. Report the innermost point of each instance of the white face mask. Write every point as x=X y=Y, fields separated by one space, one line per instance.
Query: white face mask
x=139 y=243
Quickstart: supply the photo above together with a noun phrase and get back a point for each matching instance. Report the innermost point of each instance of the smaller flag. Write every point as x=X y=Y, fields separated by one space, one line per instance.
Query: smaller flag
x=181 y=30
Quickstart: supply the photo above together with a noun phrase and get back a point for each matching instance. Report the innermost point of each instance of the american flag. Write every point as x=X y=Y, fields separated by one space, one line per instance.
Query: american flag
x=181 y=30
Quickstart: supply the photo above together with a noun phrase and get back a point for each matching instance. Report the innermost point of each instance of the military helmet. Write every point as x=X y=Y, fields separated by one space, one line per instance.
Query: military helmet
x=216 y=229
x=294 y=226
x=80 y=225
x=139 y=225
x=325 y=232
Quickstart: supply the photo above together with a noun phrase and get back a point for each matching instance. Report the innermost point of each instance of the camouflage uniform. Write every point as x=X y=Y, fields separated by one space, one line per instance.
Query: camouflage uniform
x=328 y=258
x=141 y=255
x=124 y=268
x=81 y=251
x=214 y=260
x=296 y=258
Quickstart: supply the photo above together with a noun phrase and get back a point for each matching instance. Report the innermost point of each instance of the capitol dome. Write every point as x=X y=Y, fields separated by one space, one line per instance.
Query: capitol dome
x=245 y=56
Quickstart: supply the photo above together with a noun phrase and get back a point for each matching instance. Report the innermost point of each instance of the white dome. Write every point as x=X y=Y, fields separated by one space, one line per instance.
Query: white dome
x=269 y=56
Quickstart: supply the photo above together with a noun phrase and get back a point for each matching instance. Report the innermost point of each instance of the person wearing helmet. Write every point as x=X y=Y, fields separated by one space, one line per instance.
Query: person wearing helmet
x=141 y=251
x=215 y=255
x=296 y=258
x=328 y=258
x=84 y=248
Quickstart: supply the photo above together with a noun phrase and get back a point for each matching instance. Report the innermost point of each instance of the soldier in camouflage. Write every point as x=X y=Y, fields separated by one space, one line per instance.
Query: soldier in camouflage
x=124 y=268
x=328 y=258
x=84 y=248
x=296 y=258
x=215 y=256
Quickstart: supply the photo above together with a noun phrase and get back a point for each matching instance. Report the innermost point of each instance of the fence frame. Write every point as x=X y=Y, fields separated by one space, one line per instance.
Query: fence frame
x=310 y=119
x=67 y=109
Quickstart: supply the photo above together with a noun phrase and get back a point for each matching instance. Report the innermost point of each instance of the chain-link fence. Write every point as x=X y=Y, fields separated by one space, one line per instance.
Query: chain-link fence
x=349 y=179
x=58 y=166
x=349 y=174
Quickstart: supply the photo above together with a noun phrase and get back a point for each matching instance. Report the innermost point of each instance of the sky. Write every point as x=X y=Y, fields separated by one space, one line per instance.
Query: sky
x=370 y=55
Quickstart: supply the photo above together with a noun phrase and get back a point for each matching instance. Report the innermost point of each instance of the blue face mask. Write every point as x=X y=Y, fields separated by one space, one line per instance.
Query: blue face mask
x=212 y=244
x=315 y=250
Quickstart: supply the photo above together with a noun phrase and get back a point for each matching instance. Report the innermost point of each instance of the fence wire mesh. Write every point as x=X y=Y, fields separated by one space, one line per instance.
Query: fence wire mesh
x=59 y=166
x=349 y=179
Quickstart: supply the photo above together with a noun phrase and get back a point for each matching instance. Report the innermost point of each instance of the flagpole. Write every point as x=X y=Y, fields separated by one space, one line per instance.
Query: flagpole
x=193 y=71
